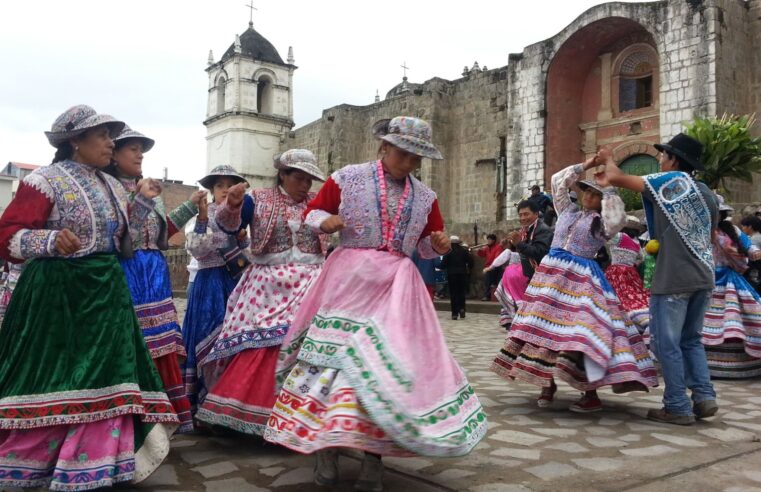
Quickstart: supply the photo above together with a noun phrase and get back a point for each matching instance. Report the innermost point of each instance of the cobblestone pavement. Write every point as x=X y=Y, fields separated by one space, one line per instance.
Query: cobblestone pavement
x=527 y=448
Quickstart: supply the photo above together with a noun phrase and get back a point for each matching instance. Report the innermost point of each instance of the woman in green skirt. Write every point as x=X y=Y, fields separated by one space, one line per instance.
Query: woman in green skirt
x=81 y=403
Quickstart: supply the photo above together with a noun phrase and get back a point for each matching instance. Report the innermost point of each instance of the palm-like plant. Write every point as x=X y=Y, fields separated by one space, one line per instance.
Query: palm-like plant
x=729 y=149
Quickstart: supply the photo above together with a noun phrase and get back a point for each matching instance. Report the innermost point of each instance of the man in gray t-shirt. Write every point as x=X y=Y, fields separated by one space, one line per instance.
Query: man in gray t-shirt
x=682 y=215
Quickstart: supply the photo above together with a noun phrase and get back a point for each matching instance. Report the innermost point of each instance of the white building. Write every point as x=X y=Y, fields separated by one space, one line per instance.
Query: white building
x=250 y=106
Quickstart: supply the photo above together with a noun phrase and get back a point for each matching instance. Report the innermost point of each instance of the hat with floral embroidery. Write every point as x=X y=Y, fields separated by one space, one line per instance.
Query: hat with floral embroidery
x=300 y=159
x=128 y=133
x=410 y=134
x=723 y=205
x=77 y=120
x=220 y=171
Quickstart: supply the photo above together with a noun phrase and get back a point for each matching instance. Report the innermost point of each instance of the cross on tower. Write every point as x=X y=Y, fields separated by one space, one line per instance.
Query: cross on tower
x=251 y=14
x=405 y=67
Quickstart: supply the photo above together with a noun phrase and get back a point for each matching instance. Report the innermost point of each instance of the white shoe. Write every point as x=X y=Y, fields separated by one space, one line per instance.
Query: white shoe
x=371 y=475
x=326 y=467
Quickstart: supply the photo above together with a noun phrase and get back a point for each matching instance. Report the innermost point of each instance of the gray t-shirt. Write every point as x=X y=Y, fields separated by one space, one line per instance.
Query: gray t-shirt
x=677 y=269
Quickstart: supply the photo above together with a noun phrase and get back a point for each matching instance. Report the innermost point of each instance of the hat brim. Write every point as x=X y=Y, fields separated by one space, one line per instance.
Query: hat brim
x=306 y=167
x=115 y=127
x=148 y=143
x=586 y=184
x=696 y=164
x=413 y=146
x=209 y=180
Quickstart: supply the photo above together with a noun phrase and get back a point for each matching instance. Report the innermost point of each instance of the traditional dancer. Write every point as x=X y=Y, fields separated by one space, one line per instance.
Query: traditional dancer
x=365 y=364
x=81 y=403
x=572 y=325
x=625 y=255
x=9 y=284
x=681 y=213
x=732 y=330
x=287 y=258
x=147 y=271
x=213 y=283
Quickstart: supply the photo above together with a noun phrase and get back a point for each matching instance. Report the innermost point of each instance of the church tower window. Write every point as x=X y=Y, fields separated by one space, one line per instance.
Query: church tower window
x=221 y=87
x=264 y=96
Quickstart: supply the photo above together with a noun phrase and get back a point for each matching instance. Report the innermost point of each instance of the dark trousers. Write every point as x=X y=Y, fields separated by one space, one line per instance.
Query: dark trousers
x=458 y=288
x=492 y=277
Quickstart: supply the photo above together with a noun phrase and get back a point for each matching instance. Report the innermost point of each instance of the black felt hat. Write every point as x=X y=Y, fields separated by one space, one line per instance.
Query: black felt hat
x=685 y=147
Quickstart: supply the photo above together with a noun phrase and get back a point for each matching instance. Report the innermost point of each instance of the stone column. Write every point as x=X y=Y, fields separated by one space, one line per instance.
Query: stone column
x=605 y=112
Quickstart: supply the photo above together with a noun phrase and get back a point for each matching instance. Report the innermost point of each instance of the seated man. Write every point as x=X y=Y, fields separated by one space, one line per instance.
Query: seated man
x=530 y=244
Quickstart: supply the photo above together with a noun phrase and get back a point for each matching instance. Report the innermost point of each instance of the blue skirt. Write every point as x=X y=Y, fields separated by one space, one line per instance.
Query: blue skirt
x=149 y=284
x=207 y=303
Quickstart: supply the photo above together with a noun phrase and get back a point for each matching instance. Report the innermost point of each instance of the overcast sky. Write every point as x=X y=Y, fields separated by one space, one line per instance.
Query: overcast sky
x=143 y=61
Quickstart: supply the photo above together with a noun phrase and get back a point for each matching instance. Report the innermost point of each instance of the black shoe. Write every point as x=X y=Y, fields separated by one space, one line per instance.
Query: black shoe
x=454 y=317
x=462 y=314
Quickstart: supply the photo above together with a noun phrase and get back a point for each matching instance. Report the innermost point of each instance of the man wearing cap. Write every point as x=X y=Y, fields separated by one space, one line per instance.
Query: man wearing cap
x=543 y=203
x=681 y=214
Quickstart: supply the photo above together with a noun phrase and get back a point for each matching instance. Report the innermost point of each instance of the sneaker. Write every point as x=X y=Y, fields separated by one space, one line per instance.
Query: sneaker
x=547 y=396
x=326 y=467
x=462 y=314
x=370 y=475
x=587 y=404
x=661 y=415
x=705 y=409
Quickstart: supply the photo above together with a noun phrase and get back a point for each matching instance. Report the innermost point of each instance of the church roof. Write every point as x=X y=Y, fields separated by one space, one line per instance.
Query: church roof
x=255 y=45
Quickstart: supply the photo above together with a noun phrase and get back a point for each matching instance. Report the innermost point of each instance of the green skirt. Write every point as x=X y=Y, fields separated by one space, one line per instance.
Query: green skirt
x=71 y=350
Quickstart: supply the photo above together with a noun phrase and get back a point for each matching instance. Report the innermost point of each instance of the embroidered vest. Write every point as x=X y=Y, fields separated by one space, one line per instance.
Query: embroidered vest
x=270 y=232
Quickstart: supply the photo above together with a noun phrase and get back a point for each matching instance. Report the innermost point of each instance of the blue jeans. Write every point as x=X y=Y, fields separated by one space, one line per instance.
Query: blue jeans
x=676 y=323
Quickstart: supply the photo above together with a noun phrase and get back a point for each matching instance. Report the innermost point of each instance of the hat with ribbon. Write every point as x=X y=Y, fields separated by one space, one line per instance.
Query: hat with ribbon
x=685 y=147
x=219 y=171
x=77 y=120
x=128 y=133
x=410 y=134
x=300 y=159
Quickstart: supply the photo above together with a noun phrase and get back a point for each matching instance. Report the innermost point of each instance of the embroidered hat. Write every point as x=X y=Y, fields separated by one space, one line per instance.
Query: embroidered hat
x=77 y=120
x=585 y=184
x=633 y=222
x=218 y=171
x=409 y=134
x=300 y=159
x=685 y=147
x=455 y=240
x=723 y=206
x=128 y=133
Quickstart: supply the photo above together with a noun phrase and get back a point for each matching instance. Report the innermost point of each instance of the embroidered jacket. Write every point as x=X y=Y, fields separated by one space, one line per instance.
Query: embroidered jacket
x=278 y=233
x=74 y=196
x=353 y=193
x=204 y=238
x=624 y=250
x=159 y=226
x=574 y=225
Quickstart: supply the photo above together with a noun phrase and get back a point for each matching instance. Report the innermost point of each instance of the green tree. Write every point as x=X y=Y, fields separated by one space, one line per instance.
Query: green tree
x=729 y=149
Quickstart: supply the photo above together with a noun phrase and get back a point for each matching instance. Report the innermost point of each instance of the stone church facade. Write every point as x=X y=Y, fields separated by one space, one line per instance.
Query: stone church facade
x=622 y=74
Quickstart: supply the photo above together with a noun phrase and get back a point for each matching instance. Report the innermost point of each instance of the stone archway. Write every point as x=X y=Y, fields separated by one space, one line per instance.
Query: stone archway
x=582 y=82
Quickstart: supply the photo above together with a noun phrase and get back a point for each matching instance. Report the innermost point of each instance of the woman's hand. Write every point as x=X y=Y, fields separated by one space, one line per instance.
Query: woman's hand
x=332 y=224
x=197 y=197
x=203 y=210
x=440 y=242
x=235 y=194
x=67 y=243
x=149 y=188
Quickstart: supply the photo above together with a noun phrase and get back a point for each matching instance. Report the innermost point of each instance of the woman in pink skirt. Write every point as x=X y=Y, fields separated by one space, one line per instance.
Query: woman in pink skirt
x=364 y=364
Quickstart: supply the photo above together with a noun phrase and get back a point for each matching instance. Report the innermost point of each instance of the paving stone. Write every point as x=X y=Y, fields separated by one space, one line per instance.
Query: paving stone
x=453 y=474
x=233 y=485
x=259 y=461
x=488 y=402
x=746 y=425
x=517 y=411
x=736 y=416
x=656 y=450
x=195 y=457
x=500 y=487
x=605 y=442
x=753 y=475
x=631 y=438
x=567 y=422
x=293 y=477
x=517 y=437
x=638 y=427
x=163 y=476
x=609 y=421
x=215 y=469
x=523 y=454
x=556 y=432
x=597 y=430
x=599 y=464
x=728 y=435
x=552 y=470
x=271 y=472
x=568 y=447
x=679 y=441
x=516 y=401
x=413 y=464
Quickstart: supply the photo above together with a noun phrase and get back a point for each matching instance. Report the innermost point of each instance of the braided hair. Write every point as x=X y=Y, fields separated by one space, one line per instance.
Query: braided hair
x=728 y=228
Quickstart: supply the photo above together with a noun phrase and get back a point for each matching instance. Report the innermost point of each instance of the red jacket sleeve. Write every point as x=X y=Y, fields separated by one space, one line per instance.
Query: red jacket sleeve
x=328 y=199
x=435 y=222
x=29 y=209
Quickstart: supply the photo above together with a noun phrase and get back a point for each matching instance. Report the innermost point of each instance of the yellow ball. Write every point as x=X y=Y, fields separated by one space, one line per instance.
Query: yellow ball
x=653 y=246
